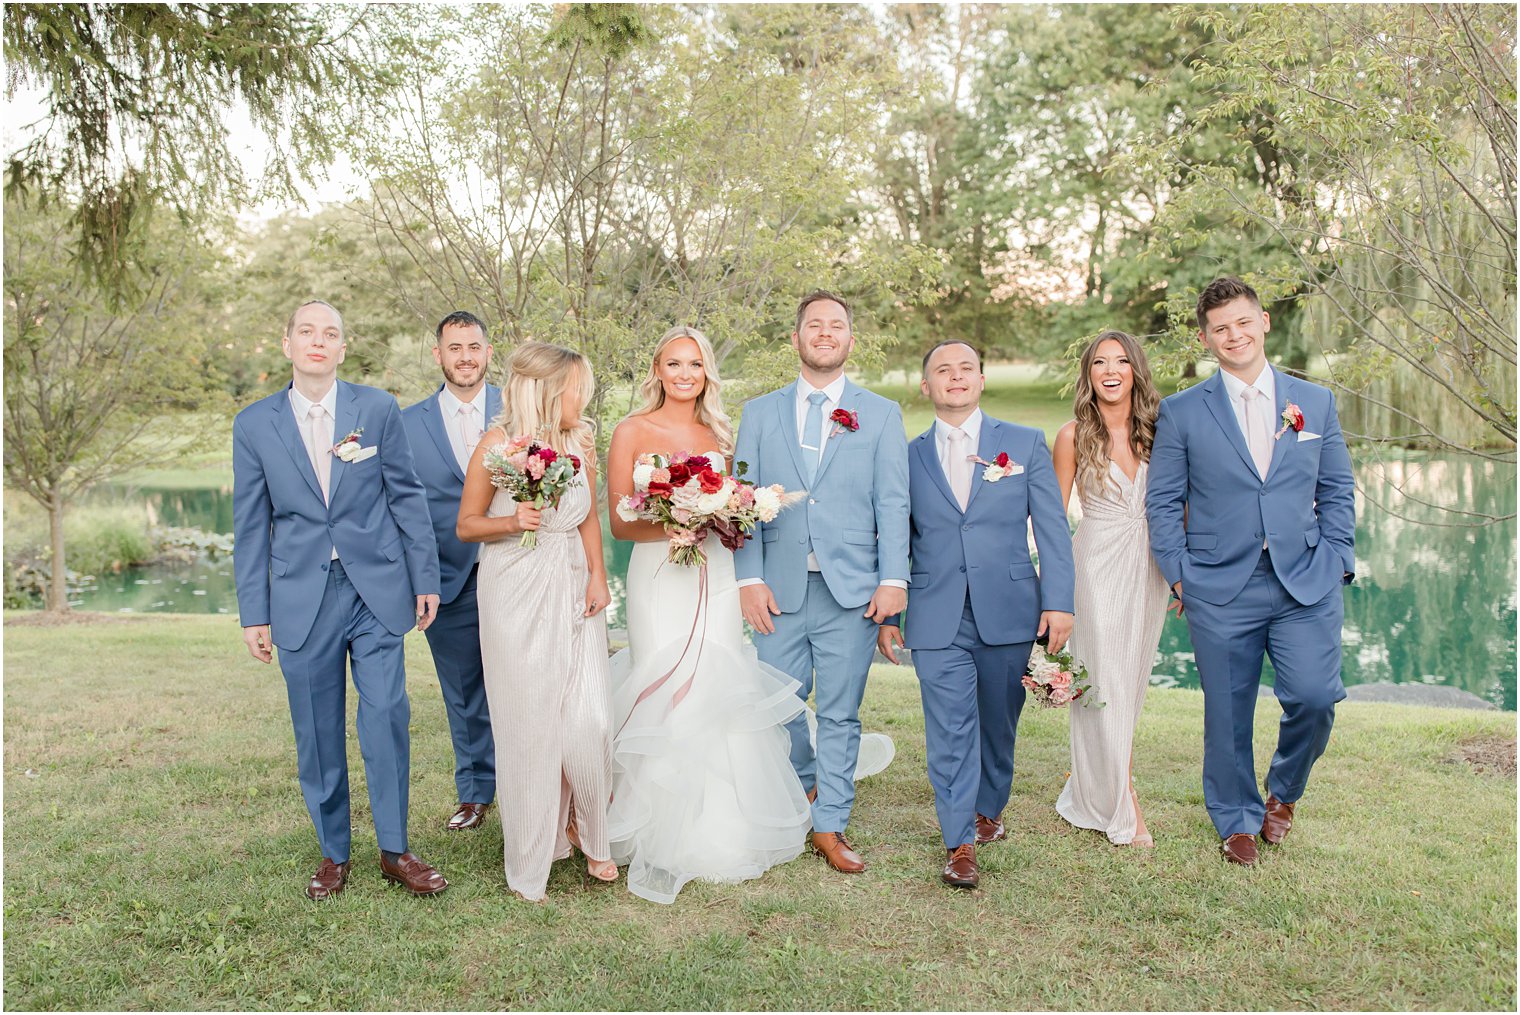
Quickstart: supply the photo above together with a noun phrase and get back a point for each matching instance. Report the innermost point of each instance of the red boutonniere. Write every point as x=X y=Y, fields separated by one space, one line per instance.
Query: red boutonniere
x=1292 y=417
x=843 y=420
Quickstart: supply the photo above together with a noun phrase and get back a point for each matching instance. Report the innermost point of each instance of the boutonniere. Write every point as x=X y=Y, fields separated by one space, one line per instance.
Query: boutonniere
x=843 y=420
x=999 y=468
x=348 y=448
x=1292 y=416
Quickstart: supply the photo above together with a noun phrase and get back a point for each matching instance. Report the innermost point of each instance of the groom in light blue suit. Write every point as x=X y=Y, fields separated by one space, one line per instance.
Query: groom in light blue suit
x=975 y=603
x=817 y=581
x=443 y=430
x=335 y=562
x=1252 y=519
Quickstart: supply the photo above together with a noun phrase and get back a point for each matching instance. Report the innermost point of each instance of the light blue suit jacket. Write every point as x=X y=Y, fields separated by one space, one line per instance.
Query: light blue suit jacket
x=1305 y=509
x=444 y=481
x=856 y=511
x=983 y=552
x=284 y=534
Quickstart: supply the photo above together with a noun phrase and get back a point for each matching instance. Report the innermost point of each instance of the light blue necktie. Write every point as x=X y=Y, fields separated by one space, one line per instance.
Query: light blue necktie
x=812 y=432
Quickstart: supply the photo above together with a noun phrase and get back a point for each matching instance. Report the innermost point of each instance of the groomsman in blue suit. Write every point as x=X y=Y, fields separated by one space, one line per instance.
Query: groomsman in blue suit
x=817 y=581
x=1252 y=520
x=443 y=430
x=975 y=603
x=335 y=562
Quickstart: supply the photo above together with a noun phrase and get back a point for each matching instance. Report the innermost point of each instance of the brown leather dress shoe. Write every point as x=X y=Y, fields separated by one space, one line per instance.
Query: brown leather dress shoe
x=468 y=815
x=989 y=830
x=1240 y=848
x=412 y=874
x=839 y=854
x=1274 y=827
x=328 y=881
x=960 y=867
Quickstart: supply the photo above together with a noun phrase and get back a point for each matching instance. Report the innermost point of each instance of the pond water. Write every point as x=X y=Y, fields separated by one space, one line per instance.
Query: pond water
x=1433 y=603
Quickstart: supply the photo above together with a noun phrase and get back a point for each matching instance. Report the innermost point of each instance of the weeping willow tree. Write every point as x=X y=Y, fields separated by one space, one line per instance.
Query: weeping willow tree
x=1395 y=203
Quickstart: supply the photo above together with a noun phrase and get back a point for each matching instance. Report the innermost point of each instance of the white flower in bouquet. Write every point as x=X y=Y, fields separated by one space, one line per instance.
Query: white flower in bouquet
x=687 y=495
x=768 y=502
x=641 y=475
x=631 y=509
x=712 y=503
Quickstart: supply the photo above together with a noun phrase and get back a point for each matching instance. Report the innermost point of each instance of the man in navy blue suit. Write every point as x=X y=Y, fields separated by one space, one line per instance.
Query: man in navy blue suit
x=1252 y=519
x=443 y=430
x=335 y=562
x=975 y=603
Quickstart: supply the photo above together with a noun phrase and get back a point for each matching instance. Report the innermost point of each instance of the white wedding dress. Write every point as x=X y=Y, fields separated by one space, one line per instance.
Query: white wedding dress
x=702 y=781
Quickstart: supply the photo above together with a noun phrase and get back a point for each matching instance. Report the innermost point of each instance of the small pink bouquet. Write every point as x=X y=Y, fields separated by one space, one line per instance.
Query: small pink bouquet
x=532 y=473
x=1056 y=681
x=689 y=498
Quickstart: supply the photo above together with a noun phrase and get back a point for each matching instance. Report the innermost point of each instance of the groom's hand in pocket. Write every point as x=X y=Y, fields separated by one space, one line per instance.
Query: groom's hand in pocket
x=758 y=606
x=259 y=644
x=888 y=640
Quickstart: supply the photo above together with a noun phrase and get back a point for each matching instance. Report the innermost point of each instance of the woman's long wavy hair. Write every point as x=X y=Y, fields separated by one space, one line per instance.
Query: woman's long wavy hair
x=709 y=403
x=1092 y=436
x=538 y=374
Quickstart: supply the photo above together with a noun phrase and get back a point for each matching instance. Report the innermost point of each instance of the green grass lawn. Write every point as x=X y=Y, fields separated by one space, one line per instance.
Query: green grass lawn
x=156 y=847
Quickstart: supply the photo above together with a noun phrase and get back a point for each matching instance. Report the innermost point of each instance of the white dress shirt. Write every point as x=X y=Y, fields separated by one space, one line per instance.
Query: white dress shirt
x=454 y=423
x=301 y=406
x=1265 y=406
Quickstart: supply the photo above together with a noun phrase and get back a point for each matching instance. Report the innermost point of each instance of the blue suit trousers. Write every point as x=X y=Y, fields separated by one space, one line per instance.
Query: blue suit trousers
x=346 y=631
x=838 y=643
x=454 y=638
x=972 y=694
x=1229 y=643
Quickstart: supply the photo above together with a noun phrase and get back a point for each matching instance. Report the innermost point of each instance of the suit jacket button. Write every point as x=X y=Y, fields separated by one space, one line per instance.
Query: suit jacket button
x=965 y=528
x=812 y=501
x=324 y=567
x=963 y=569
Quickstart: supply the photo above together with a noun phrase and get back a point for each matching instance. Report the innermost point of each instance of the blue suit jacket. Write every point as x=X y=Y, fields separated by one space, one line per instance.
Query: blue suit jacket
x=983 y=551
x=284 y=534
x=856 y=511
x=1305 y=509
x=444 y=481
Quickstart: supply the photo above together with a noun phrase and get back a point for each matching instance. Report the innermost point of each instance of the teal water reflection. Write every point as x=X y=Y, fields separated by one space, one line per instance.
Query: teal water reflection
x=1433 y=603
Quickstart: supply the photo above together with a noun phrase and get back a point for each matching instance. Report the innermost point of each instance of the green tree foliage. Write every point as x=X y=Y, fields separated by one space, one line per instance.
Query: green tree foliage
x=142 y=105
x=1395 y=216
x=698 y=168
x=95 y=384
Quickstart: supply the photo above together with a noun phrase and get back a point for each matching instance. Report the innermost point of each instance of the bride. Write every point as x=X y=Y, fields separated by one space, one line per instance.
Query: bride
x=703 y=785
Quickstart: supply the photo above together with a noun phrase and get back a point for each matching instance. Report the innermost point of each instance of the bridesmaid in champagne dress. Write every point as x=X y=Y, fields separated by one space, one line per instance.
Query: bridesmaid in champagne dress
x=1120 y=595
x=543 y=637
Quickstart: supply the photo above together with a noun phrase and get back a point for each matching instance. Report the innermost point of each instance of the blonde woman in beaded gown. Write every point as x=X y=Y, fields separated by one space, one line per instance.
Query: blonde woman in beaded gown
x=703 y=784
x=543 y=636
x=1121 y=598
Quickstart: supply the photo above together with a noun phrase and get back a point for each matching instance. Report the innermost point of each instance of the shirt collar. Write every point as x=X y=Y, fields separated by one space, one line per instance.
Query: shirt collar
x=972 y=426
x=835 y=389
x=449 y=402
x=1264 y=383
x=302 y=404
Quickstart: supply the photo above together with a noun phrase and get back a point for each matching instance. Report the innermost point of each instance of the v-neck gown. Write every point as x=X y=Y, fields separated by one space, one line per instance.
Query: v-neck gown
x=1121 y=606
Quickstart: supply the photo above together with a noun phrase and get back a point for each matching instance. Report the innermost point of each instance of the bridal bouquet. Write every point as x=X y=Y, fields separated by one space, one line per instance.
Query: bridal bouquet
x=690 y=499
x=532 y=473
x=1057 y=680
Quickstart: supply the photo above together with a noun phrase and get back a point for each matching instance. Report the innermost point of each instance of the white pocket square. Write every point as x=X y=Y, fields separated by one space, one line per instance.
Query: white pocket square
x=1303 y=435
x=374 y=449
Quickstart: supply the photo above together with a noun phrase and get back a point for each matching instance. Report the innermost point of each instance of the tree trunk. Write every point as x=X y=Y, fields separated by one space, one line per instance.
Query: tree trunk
x=57 y=589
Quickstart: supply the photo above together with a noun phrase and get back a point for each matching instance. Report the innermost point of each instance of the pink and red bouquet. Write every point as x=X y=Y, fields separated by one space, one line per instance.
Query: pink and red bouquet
x=532 y=473
x=690 y=499
x=1056 y=681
